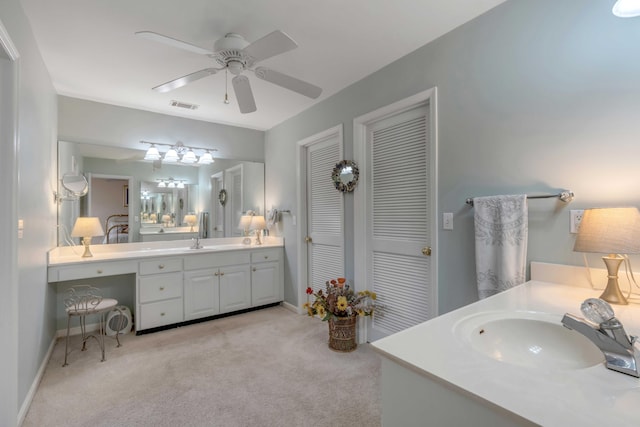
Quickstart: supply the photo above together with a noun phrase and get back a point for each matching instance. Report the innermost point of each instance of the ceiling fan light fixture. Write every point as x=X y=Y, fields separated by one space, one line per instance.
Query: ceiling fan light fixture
x=626 y=8
x=171 y=156
x=152 y=153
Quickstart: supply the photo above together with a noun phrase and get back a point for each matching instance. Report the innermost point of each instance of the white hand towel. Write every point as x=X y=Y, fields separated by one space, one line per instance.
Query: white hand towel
x=501 y=229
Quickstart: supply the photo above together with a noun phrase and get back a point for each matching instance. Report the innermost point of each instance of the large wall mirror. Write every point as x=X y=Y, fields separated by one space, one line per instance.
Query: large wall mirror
x=138 y=200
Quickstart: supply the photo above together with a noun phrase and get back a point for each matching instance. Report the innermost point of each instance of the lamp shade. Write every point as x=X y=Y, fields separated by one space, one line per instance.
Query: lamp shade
x=626 y=8
x=87 y=227
x=190 y=219
x=258 y=222
x=609 y=231
x=245 y=222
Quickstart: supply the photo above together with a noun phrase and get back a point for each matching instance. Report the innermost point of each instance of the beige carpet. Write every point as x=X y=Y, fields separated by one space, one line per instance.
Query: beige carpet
x=269 y=367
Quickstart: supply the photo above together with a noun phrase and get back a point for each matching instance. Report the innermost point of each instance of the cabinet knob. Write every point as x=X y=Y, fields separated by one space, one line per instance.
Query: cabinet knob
x=266 y=257
x=162 y=288
x=99 y=271
x=216 y=274
x=160 y=266
x=161 y=314
x=222 y=274
x=255 y=269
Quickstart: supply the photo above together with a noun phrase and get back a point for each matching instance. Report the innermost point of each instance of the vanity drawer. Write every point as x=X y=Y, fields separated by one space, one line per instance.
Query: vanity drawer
x=160 y=287
x=266 y=255
x=99 y=269
x=163 y=265
x=217 y=259
x=160 y=313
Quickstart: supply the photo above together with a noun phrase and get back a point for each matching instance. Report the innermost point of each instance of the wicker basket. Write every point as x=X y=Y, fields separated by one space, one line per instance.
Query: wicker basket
x=342 y=333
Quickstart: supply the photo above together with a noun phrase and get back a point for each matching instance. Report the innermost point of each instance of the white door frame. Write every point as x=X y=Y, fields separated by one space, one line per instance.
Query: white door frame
x=360 y=212
x=301 y=179
x=9 y=168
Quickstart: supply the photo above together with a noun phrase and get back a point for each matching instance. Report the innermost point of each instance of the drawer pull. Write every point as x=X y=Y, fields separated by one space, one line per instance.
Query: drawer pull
x=160 y=266
x=255 y=269
x=161 y=314
x=216 y=274
x=266 y=257
x=162 y=288
x=99 y=271
x=222 y=274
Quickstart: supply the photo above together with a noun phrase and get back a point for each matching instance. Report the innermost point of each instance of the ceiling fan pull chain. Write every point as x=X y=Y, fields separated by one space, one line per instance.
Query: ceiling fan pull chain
x=226 y=91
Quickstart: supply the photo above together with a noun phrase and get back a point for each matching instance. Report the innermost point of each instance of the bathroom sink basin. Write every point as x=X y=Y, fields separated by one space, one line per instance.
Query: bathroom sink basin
x=531 y=339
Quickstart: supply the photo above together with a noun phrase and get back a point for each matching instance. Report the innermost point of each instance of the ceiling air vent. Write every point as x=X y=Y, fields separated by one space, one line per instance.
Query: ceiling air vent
x=183 y=105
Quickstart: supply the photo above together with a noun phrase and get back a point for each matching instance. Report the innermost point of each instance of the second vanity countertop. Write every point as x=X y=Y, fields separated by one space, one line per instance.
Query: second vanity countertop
x=548 y=396
x=69 y=255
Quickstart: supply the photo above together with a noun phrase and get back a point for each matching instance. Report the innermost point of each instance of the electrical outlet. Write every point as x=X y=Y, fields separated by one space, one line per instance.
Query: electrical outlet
x=576 y=218
x=447 y=221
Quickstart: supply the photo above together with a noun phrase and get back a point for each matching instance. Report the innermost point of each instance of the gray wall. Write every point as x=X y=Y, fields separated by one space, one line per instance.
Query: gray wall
x=533 y=96
x=36 y=166
x=92 y=122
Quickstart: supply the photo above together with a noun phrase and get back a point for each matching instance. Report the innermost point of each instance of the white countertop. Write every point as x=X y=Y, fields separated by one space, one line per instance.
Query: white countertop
x=594 y=396
x=68 y=255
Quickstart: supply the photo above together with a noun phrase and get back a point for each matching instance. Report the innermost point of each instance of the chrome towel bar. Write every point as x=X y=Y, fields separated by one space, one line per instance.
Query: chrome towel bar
x=564 y=196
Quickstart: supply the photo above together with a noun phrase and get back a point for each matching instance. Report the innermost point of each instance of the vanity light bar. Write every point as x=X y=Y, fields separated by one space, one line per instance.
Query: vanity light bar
x=178 y=153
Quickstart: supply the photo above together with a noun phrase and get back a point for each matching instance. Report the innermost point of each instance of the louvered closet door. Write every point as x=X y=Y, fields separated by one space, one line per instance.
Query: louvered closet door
x=325 y=249
x=399 y=227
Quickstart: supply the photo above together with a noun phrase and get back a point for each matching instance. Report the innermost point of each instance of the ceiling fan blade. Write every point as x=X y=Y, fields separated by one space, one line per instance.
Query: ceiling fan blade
x=150 y=35
x=181 y=81
x=270 y=45
x=288 y=82
x=242 y=88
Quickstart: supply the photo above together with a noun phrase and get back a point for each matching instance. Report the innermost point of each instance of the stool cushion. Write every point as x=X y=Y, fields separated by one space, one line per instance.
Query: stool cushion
x=105 y=304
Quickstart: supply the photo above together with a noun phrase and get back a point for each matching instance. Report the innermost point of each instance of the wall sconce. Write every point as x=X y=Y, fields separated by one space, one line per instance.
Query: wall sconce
x=179 y=153
x=611 y=231
x=258 y=224
x=87 y=227
x=626 y=8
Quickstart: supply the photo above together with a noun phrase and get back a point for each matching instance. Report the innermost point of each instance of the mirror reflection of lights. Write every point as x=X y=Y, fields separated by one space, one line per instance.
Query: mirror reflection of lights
x=535 y=349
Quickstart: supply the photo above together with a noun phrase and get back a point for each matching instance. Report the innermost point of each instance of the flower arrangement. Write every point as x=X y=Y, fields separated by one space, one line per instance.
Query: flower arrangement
x=340 y=300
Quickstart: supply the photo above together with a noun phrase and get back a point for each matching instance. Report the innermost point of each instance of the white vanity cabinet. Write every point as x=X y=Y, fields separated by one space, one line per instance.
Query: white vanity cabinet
x=216 y=283
x=176 y=284
x=159 y=293
x=266 y=277
x=235 y=288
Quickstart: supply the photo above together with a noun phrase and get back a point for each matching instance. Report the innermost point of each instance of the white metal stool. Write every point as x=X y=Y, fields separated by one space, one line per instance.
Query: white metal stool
x=83 y=301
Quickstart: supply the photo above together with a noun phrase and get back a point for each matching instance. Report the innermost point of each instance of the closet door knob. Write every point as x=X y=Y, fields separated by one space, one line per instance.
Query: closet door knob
x=426 y=251
x=308 y=239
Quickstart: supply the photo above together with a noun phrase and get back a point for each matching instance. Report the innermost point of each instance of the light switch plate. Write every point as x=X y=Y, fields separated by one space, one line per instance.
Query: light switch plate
x=447 y=220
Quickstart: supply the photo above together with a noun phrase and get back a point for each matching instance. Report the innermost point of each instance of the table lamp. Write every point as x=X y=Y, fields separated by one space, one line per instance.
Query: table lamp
x=190 y=220
x=87 y=227
x=245 y=223
x=258 y=224
x=612 y=231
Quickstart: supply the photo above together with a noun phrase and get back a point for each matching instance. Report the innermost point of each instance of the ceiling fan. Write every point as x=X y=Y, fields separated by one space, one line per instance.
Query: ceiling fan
x=235 y=54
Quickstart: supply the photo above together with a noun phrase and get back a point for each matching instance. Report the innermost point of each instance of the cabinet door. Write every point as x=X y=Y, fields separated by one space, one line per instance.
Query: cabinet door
x=235 y=288
x=201 y=290
x=265 y=283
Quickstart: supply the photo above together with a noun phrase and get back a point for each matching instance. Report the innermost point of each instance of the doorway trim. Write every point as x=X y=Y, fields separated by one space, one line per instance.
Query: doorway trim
x=361 y=196
x=301 y=193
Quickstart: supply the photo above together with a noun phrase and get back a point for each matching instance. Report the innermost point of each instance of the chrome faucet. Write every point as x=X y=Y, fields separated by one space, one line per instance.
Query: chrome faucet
x=196 y=243
x=608 y=334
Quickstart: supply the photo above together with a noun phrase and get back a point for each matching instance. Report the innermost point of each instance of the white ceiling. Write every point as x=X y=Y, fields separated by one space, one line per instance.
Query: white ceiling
x=91 y=52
